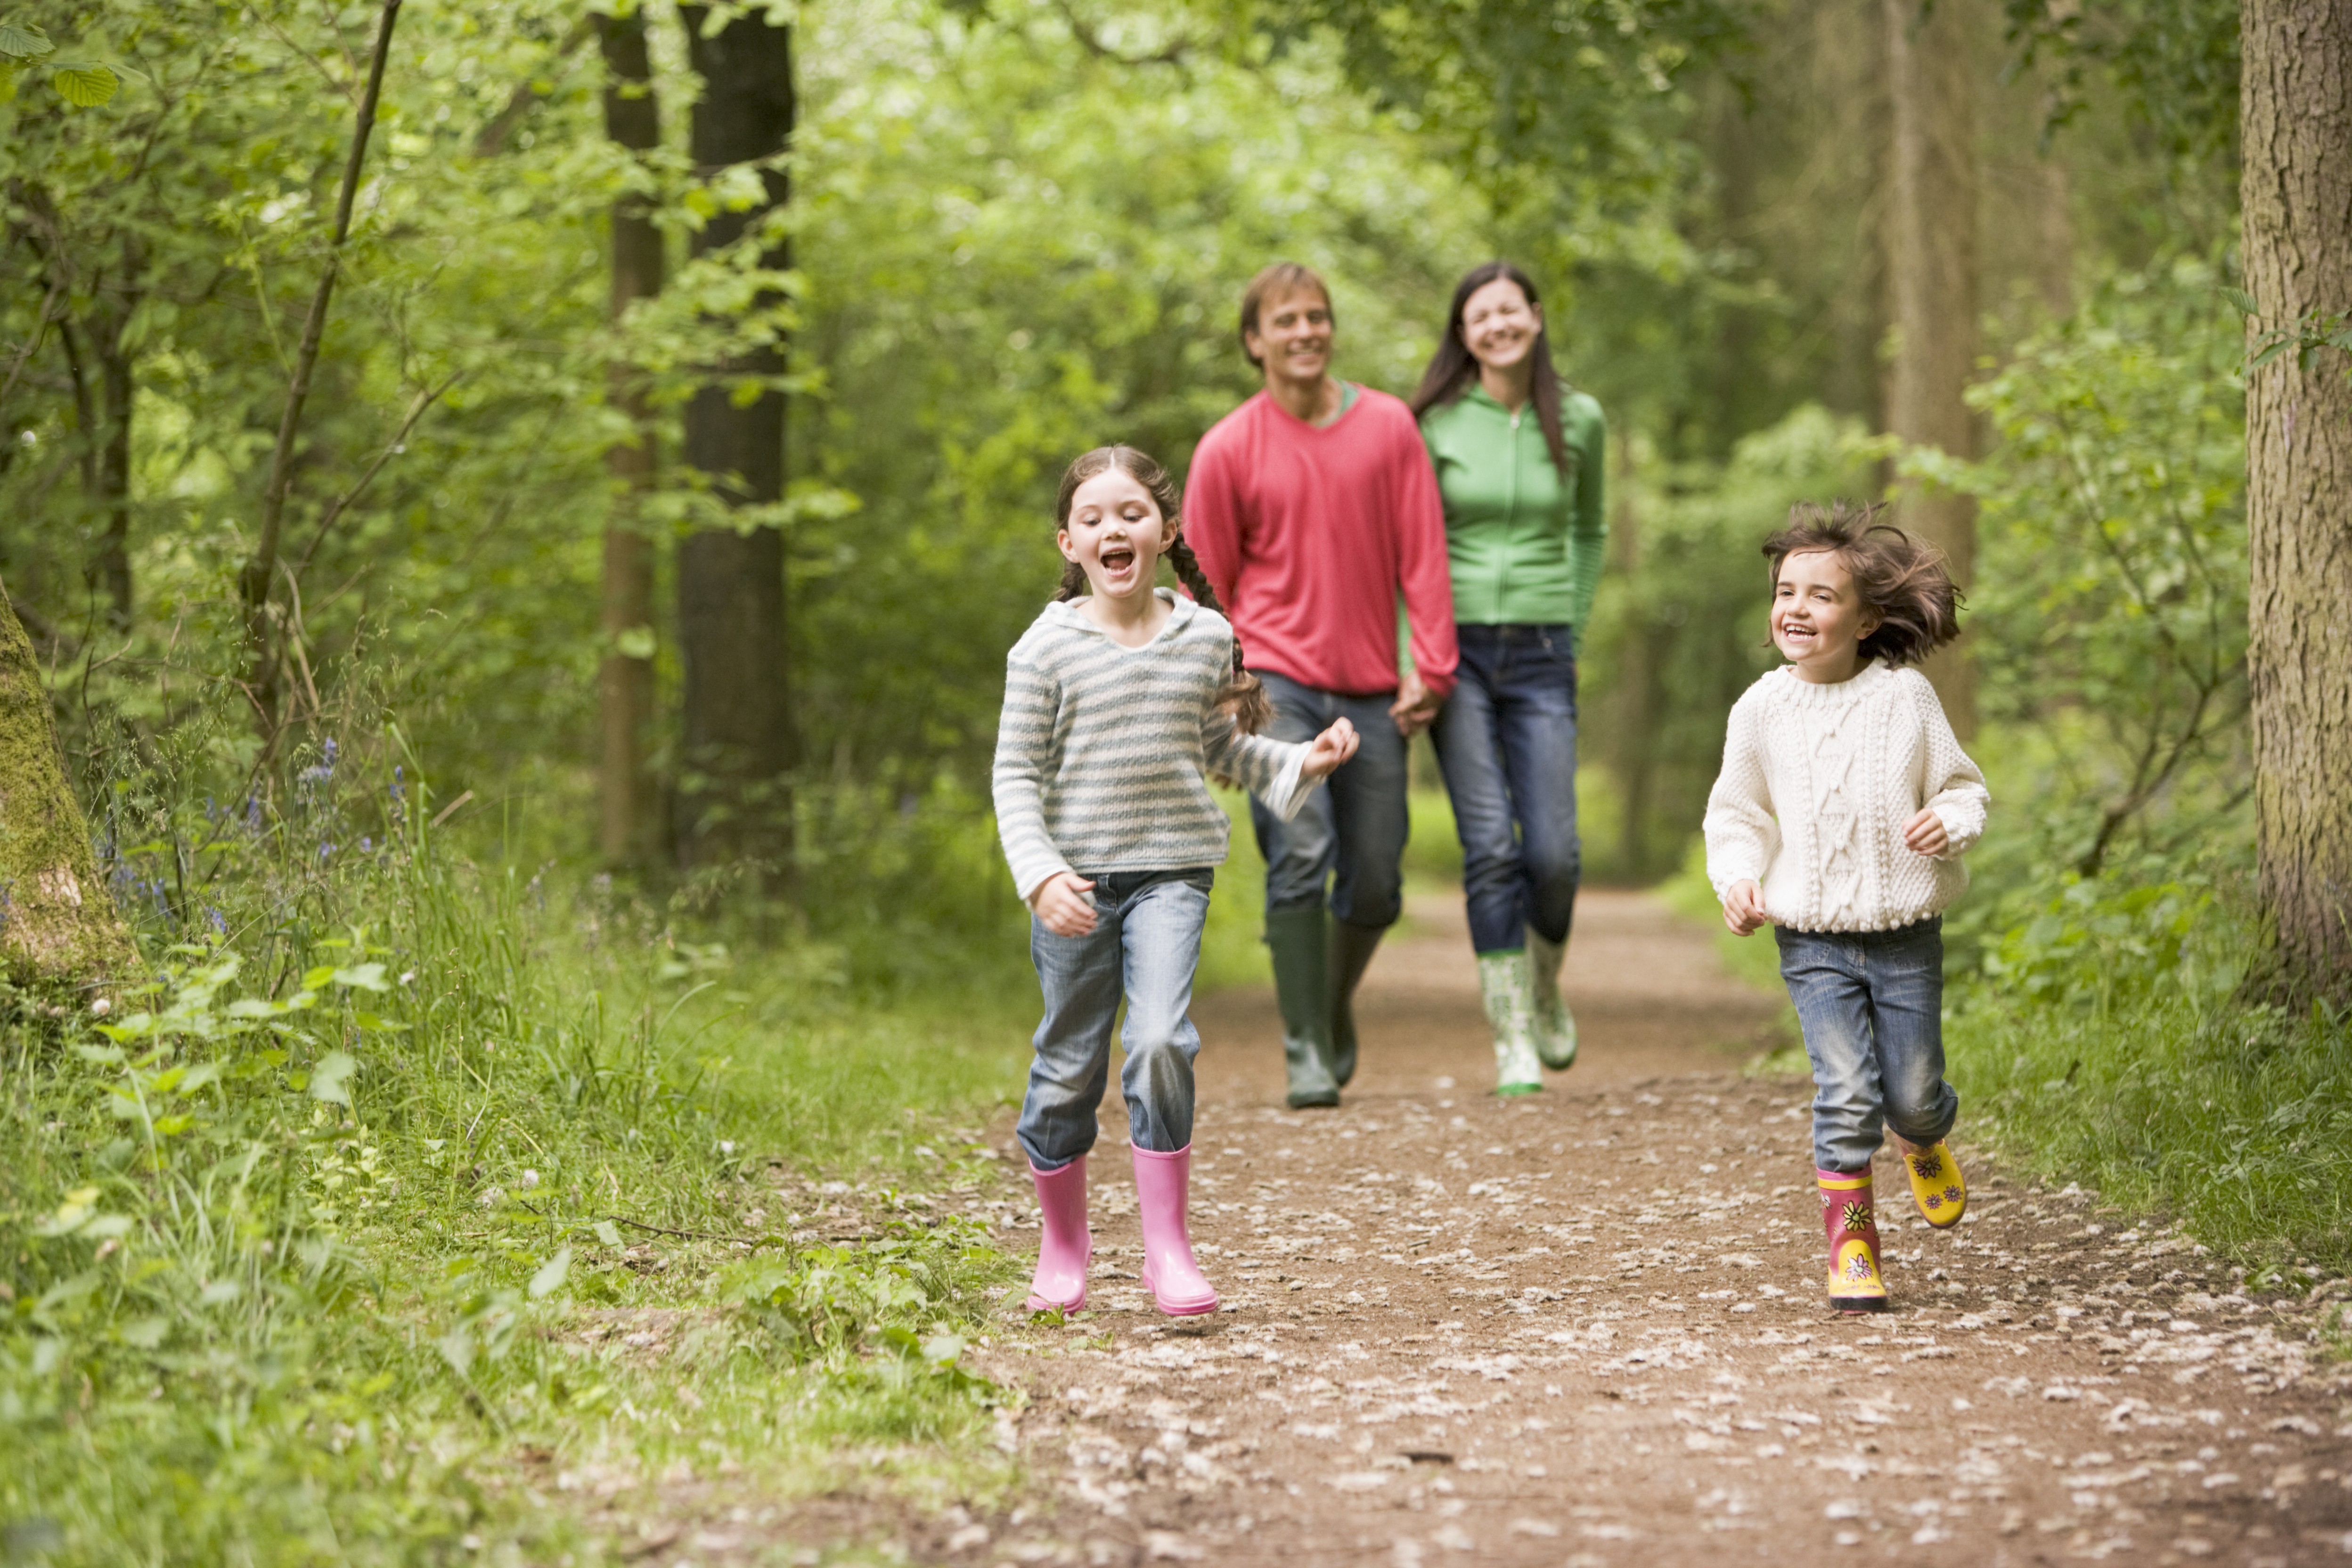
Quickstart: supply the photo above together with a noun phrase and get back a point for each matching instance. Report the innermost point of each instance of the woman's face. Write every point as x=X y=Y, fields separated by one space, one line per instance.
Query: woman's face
x=1498 y=325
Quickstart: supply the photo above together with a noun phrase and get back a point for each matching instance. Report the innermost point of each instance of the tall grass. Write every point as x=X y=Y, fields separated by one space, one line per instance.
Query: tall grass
x=299 y=1231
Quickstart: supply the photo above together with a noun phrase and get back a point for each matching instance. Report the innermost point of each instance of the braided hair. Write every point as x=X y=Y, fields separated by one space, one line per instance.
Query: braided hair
x=1242 y=696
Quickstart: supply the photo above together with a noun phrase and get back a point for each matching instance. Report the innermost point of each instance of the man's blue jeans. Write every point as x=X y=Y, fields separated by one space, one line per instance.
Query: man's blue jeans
x=1872 y=1004
x=1506 y=745
x=1145 y=946
x=1350 y=833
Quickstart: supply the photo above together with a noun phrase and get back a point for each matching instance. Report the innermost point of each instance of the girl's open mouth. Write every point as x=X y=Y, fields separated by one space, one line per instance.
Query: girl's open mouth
x=1117 y=559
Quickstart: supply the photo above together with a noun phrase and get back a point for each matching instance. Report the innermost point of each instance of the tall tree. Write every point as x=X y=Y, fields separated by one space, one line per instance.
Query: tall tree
x=2297 y=98
x=625 y=678
x=738 y=740
x=62 y=927
x=1931 y=281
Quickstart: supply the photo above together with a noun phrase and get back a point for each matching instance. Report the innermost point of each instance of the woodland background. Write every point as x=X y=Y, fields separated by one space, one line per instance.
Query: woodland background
x=547 y=772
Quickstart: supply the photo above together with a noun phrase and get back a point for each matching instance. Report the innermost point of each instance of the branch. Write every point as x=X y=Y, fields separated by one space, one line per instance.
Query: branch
x=33 y=339
x=526 y=97
x=398 y=443
x=260 y=570
x=1170 y=54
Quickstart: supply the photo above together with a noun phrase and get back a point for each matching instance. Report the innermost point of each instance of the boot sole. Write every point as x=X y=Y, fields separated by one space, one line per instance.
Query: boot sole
x=1315 y=1101
x=1514 y=1091
x=1858 y=1305
x=1068 y=1308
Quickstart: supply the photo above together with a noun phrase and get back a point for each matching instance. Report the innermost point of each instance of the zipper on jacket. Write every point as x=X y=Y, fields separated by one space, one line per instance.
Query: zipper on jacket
x=1510 y=518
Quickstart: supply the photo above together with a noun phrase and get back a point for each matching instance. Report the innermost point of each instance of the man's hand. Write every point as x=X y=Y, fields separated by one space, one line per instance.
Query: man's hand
x=1062 y=906
x=1743 y=907
x=1924 y=833
x=1414 y=709
x=1328 y=750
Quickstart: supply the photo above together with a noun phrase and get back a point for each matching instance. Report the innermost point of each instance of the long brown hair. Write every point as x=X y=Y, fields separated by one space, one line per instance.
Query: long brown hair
x=1899 y=578
x=1453 y=367
x=1242 y=696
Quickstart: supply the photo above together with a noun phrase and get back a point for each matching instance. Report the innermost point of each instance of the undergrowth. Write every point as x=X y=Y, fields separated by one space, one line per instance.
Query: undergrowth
x=304 y=1229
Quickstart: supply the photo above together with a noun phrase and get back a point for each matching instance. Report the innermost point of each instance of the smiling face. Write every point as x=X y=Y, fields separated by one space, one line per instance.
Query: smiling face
x=1292 y=340
x=1115 y=532
x=1817 y=619
x=1499 y=326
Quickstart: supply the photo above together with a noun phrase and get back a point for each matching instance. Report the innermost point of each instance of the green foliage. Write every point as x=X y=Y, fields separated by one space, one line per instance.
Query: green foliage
x=299 y=1233
x=2110 y=1048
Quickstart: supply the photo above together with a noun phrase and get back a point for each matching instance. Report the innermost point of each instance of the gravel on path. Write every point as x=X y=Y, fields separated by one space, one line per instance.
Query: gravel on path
x=1587 y=1328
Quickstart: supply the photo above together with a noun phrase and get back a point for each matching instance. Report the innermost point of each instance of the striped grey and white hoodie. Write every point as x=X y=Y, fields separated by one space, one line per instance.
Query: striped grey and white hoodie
x=1103 y=751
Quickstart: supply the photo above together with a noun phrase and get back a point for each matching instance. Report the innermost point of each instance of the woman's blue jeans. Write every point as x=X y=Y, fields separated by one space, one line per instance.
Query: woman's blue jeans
x=1506 y=745
x=1145 y=946
x=1872 y=1004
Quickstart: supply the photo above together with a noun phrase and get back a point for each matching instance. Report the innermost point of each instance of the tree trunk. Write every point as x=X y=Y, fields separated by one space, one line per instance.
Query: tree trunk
x=2296 y=112
x=1931 y=254
x=731 y=582
x=626 y=681
x=57 y=922
x=108 y=339
x=1634 y=703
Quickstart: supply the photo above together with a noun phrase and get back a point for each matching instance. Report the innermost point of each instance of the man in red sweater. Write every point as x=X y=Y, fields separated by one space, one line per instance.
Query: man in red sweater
x=1312 y=508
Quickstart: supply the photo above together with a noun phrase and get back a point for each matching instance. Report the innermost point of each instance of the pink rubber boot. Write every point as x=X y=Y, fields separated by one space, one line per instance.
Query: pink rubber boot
x=1170 y=1272
x=1066 y=1246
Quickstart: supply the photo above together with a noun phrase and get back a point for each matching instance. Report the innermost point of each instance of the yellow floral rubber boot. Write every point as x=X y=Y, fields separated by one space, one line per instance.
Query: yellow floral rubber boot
x=1937 y=1184
x=1856 y=1284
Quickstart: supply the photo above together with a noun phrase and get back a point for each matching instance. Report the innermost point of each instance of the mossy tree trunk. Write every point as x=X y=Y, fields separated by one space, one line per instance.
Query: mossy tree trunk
x=58 y=920
x=2297 y=119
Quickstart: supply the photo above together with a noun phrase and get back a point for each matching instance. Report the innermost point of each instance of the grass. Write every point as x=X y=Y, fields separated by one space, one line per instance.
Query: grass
x=304 y=1238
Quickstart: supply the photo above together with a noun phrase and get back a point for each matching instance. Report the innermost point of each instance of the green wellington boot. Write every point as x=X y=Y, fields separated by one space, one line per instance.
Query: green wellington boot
x=1302 y=990
x=1508 y=992
x=1353 y=947
x=1555 y=1025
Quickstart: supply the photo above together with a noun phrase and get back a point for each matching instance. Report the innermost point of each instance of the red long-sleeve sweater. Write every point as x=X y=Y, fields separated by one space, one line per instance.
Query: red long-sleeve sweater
x=1310 y=534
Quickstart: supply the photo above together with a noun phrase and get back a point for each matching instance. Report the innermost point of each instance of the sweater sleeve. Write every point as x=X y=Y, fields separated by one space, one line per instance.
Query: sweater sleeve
x=1742 y=834
x=1212 y=523
x=1024 y=737
x=1270 y=770
x=1954 y=786
x=1422 y=568
x=1588 y=529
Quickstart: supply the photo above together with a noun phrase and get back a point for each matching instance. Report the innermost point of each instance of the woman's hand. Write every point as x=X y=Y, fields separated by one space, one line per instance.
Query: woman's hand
x=1743 y=907
x=1330 y=749
x=1414 y=709
x=1924 y=833
x=1062 y=906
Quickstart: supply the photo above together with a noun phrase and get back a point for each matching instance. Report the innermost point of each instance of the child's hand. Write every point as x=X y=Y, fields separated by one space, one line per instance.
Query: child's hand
x=1743 y=907
x=1330 y=749
x=1925 y=834
x=1062 y=906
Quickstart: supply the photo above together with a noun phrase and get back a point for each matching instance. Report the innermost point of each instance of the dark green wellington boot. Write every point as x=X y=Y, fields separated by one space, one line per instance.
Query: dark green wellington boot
x=1353 y=947
x=1302 y=989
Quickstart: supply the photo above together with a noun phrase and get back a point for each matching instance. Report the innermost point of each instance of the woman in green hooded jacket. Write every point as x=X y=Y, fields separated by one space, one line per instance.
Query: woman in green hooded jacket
x=1520 y=465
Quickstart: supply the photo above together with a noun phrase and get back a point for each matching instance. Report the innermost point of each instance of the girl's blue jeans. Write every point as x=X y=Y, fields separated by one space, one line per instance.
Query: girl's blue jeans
x=1506 y=745
x=1872 y=1004
x=1145 y=946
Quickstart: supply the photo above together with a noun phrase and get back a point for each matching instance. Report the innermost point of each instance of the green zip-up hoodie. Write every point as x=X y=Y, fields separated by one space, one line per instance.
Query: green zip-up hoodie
x=1525 y=545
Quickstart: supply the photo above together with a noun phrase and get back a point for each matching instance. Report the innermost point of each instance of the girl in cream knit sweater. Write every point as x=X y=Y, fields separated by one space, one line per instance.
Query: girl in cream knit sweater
x=1840 y=817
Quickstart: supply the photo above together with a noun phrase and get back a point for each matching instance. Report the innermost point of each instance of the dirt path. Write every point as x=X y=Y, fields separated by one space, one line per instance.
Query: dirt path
x=1586 y=1328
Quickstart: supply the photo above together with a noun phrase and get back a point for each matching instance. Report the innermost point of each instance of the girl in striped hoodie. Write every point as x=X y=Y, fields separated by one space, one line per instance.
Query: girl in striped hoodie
x=1120 y=703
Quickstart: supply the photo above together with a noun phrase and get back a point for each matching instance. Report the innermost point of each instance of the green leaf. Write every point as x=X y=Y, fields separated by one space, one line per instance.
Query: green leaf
x=84 y=87
x=145 y=1333
x=2242 y=302
x=104 y=1055
x=608 y=1232
x=456 y=1348
x=366 y=976
x=24 y=41
x=334 y=1071
x=550 y=1275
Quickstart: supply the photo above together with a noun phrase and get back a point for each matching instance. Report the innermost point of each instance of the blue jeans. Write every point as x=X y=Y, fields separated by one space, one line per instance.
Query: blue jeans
x=1145 y=946
x=1872 y=1004
x=1506 y=745
x=1350 y=833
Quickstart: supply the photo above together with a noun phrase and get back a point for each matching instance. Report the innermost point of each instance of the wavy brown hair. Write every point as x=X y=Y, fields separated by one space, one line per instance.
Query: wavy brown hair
x=1242 y=696
x=1899 y=578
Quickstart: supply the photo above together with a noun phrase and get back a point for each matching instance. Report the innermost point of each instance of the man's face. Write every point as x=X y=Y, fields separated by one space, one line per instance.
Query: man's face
x=1293 y=340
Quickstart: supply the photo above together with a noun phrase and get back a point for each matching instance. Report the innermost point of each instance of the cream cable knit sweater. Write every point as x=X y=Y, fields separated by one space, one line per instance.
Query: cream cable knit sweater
x=1816 y=786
